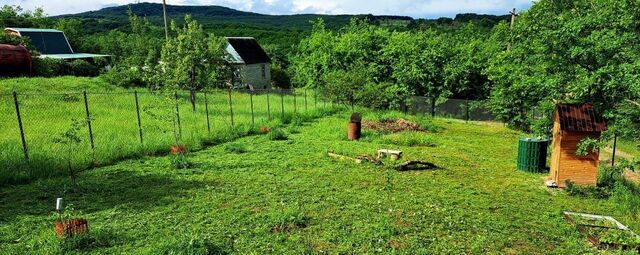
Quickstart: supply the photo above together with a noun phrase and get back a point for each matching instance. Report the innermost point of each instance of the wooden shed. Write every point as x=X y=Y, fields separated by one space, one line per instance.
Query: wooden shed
x=572 y=124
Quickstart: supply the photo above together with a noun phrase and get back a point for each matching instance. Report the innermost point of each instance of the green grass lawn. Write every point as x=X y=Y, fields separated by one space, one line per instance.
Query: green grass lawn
x=630 y=147
x=263 y=196
x=48 y=106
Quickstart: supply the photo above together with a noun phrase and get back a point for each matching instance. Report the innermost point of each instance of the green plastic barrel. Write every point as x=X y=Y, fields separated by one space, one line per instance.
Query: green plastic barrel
x=532 y=155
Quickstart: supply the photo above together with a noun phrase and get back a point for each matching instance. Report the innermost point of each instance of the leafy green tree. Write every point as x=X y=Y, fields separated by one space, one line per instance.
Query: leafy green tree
x=15 y=16
x=469 y=56
x=314 y=57
x=417 y=62
x=570 y=51
x=192 y=60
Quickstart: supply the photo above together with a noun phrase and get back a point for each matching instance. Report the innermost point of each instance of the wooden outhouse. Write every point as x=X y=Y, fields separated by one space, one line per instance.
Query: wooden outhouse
x=572 y=124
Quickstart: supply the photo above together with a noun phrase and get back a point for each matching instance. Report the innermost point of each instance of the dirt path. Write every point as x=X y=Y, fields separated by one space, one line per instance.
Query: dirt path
x=628 y=174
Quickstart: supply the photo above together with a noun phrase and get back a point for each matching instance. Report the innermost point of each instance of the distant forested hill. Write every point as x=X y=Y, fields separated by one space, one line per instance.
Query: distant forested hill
x=282 y=31
x=269 y=29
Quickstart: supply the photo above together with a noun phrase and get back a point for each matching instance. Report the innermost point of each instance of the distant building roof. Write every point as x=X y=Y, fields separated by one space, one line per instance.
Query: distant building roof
x=51 y=43
x=580 y=118
x=20 y=29
x=73 y=56
x=246 y=50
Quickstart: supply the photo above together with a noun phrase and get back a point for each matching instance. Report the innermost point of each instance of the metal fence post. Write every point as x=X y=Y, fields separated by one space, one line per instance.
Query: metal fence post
x=251 y=101
x=206 y=111
x=86 y=110
x=231 y=108
x=268 y=105
x=433 y=107
x=305 y=99
x=315 y=98
x=135 y=93
x=22 y=137
x=282 y=103
x=324 y=101
x=295 y=104
x=178 y=115
x=467 y=114
x=615 y=144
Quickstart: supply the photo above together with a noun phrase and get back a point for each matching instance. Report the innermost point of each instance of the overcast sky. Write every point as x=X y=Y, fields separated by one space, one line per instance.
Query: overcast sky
x=414 y=8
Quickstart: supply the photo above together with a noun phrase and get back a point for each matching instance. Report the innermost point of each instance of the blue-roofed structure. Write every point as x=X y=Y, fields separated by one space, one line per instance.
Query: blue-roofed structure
x=51 y=43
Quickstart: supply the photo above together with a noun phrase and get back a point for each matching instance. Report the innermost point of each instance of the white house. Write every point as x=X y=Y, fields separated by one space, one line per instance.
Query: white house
x=254 y=65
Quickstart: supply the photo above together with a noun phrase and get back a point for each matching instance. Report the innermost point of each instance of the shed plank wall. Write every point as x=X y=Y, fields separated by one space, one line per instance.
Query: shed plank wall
x=565 y=164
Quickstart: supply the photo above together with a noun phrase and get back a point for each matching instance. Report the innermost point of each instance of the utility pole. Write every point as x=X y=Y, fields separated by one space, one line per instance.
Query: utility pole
x=513 y=17
x=164 y=12
x=513 y=23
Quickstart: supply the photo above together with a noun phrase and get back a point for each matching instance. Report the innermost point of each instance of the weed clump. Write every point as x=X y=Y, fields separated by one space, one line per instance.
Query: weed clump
x=289 y=220
x=277 y=135
x=86 y=242
x=236 y=148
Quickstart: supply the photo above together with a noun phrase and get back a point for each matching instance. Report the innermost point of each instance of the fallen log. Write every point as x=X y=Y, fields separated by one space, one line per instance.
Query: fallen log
x=342 y=157
x=415 y=165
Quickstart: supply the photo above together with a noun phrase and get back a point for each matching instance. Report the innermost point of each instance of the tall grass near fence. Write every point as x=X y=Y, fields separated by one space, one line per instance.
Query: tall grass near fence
x=121 y=125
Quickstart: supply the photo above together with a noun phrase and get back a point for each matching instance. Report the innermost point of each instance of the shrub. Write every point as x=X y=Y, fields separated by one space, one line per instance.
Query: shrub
x=587 y=191
x=49 y=67
x=124 y=77
x=277 y=135
x=289 y=219
x=626 y=199
x=85 y=242
x=236 y=148
x=83 y=68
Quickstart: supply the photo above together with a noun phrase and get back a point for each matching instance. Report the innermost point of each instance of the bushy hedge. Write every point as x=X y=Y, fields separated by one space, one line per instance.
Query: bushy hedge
x=49 y=67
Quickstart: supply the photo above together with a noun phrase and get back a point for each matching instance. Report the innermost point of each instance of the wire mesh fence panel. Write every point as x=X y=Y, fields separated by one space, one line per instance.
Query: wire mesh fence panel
x=114 y=125
x=156 y=121
x=479 y=111
x=12 y=153
x=191 y=110
x=97 y=128
x=419 y=105
x=260 y=106
x=451 y=108
x=55 y=131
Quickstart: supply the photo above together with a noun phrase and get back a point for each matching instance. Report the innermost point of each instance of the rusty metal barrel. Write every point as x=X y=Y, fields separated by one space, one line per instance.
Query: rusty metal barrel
x=355 y=127
x=15 y=60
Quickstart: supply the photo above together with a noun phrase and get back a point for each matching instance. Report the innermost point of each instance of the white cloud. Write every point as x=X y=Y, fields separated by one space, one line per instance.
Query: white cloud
x=415 y=8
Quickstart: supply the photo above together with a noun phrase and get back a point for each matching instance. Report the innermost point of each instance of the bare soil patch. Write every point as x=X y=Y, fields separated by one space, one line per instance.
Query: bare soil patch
x=392 y=126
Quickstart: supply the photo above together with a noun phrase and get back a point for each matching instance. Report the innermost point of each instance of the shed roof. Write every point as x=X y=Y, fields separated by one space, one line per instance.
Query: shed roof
x=45 y=41
x=246 y=50
x=21 y=29
x=580 y=118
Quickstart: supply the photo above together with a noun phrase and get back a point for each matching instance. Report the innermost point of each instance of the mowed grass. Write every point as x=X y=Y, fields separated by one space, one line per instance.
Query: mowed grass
x=289 y=197
x=49 y=105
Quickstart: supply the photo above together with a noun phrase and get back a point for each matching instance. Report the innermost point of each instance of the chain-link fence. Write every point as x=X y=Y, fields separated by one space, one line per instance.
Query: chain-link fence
x=38 y=136
x=449 y=108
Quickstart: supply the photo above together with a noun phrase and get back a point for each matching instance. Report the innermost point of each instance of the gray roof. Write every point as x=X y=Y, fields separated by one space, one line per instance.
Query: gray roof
x=246 y=50
x=41 y=30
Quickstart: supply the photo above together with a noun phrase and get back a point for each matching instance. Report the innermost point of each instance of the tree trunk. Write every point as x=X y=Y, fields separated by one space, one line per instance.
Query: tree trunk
x=192 y=98
x=72 y=175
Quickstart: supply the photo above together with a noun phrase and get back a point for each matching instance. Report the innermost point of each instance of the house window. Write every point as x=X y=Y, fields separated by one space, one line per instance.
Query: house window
x=264 y=71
